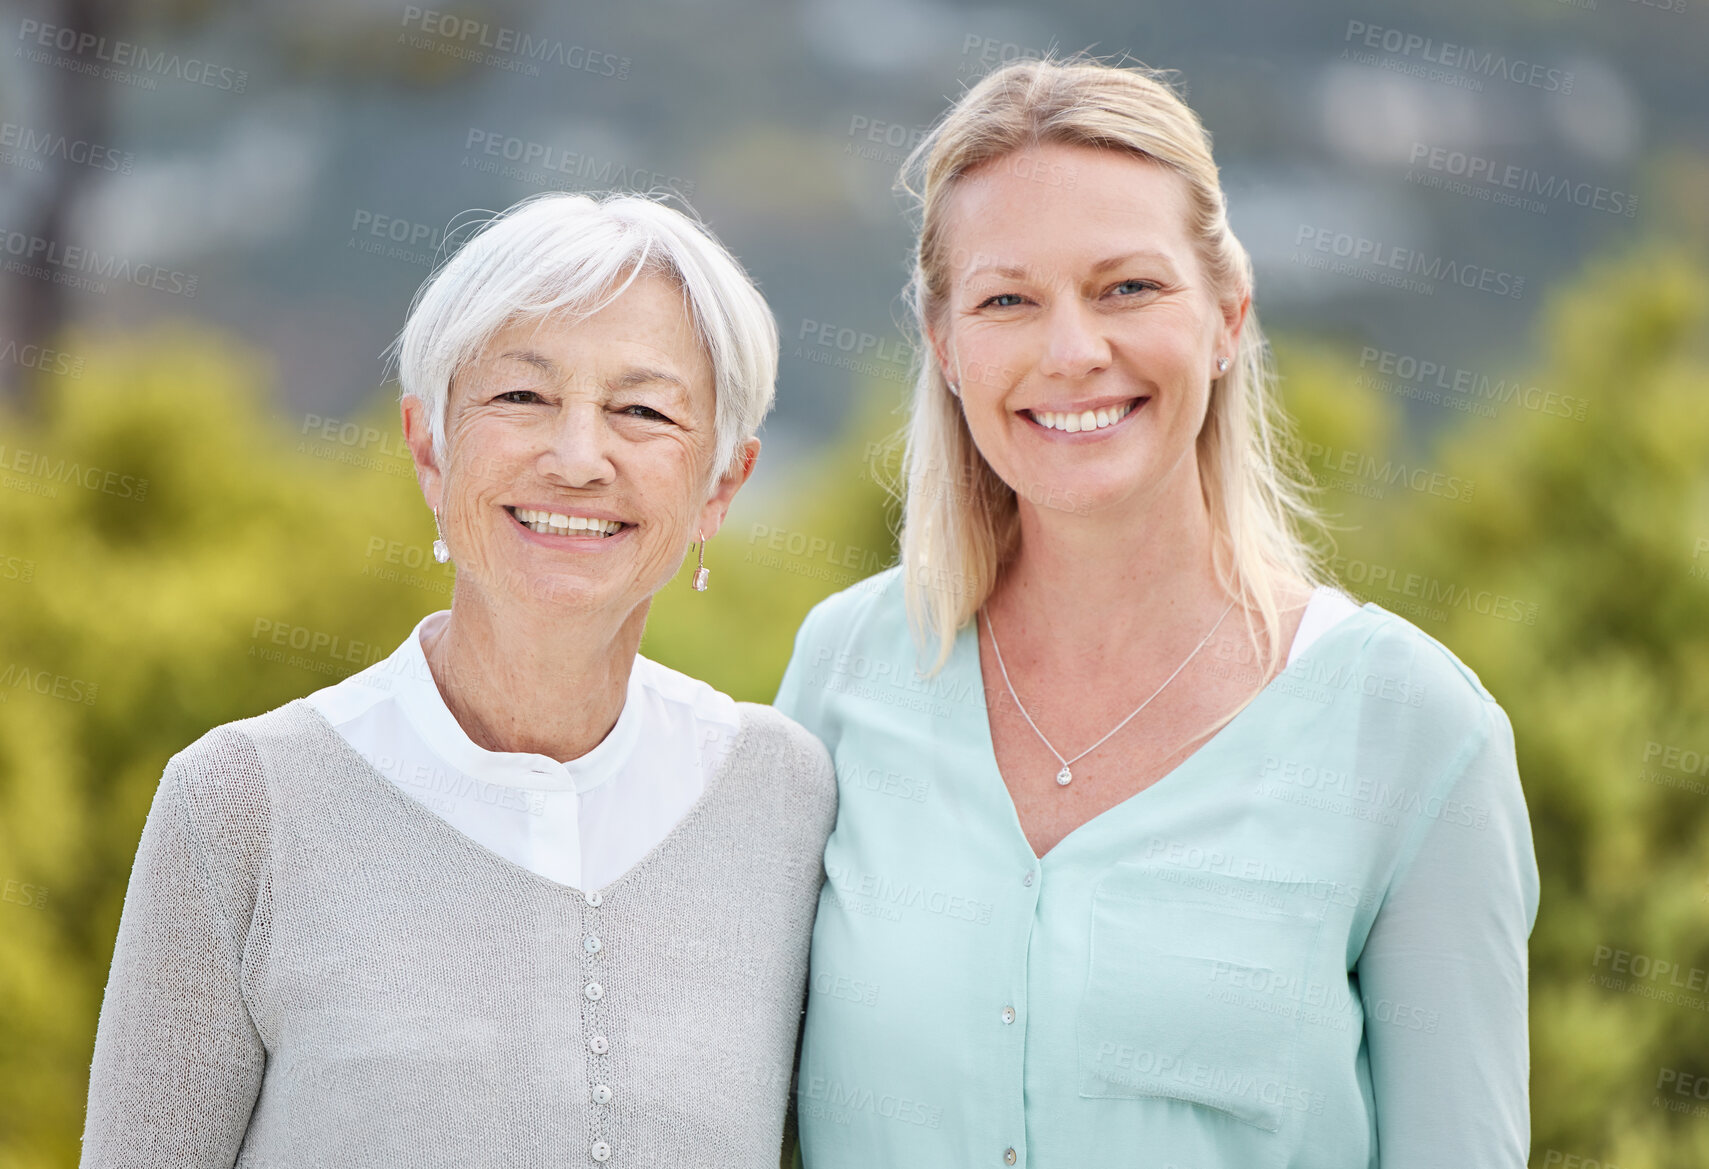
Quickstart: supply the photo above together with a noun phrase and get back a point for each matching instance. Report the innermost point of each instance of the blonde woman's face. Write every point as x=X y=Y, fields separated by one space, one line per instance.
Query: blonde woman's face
x=1080 y=327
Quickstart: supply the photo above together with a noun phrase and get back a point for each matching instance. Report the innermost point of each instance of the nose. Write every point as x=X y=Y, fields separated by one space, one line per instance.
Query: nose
x=1074 y=344
x=578 y=450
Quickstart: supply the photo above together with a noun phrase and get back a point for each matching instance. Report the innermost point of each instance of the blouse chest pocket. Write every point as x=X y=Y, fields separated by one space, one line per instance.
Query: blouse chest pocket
x=1190 y=990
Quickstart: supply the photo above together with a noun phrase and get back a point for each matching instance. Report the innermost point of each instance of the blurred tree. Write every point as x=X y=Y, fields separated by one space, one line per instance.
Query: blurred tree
x=1575 y=582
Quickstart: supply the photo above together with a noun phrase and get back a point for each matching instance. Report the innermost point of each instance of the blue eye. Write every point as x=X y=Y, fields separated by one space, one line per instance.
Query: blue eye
x=1012 y=299
x=647 y=412
x=1136 y=286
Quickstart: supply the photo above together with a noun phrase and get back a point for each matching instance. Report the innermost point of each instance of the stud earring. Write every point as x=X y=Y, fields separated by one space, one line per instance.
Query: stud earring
x=954 y=388
x=701 y=572
x=1222 y=365
x=441 y=550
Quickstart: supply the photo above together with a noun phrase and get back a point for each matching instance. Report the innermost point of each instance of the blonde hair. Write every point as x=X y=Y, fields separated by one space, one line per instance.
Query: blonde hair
x=960 y=521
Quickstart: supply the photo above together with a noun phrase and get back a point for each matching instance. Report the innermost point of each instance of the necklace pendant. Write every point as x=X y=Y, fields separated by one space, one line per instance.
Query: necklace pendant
x=1064 y=776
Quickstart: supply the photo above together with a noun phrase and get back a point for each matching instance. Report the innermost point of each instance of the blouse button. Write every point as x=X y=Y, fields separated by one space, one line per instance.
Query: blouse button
x=594 y=992
x=600 y=1151
x=1008 y=1014
x=599 y=1045
x=1026 y=880
x=590 y=944
x=1008 y=1156
x=593 y=898
x=601 y=1094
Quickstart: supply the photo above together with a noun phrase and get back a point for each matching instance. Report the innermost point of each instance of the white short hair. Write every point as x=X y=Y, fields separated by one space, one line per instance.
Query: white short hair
x=562 y=252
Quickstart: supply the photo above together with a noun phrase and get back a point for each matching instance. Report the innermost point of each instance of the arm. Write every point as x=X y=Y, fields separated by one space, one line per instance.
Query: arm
x=1443 y=975
x=178 y=1062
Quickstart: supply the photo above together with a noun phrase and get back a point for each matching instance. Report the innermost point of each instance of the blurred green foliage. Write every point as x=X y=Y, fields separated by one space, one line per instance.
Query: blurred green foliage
x=262 y=559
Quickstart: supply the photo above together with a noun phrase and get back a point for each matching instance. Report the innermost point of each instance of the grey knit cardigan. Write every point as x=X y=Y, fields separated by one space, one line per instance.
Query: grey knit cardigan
x=314 y=970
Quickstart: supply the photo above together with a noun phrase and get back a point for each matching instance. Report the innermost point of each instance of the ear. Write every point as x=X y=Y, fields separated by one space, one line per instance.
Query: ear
x=942 y=352
x=718 y=504
x=416 y=434
x=1233 y=320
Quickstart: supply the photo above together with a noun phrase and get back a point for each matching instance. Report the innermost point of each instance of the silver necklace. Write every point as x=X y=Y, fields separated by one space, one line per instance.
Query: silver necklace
x=1066 y=776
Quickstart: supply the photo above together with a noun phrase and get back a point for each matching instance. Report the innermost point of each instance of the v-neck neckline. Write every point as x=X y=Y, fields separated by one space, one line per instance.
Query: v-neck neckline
x=966 y=658
x=412 y=808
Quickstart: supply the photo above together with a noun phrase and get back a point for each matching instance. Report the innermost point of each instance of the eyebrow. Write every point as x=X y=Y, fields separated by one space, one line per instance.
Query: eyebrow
x=1018 y=272
x=638 y=375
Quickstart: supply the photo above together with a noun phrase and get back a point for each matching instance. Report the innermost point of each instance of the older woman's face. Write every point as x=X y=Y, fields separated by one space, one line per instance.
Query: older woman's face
x=579 y=453
x=1085 y=332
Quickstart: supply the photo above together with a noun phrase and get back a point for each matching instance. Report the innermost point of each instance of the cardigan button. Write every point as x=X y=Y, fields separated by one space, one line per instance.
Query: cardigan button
x=1008 y=1014
x=594 y=992
x=600 y=1151
x=601 y=1094
x=1008 y=1156
x=599 y=1045
x=593 y=898
x=590 y=944
x=1026 y=880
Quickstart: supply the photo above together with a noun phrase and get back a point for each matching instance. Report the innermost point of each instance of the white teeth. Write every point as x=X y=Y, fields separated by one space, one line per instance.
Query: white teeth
x=1086 y=420
x=550 y=523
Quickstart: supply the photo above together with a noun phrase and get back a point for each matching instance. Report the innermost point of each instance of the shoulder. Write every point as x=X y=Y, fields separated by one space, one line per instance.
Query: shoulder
x=772 y=741
x=1406 y=673
x=223 y=777
x=868 y=613
x=223 y=787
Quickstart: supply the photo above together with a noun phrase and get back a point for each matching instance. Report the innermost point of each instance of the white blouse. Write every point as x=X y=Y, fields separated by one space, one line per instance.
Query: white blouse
x=583 y=823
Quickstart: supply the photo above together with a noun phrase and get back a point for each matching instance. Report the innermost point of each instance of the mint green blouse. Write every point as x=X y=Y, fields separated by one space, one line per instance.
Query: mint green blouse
x=1305 y=946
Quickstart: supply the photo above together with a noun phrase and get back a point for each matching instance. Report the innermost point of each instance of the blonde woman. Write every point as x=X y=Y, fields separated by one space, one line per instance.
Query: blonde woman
x=1153 y=848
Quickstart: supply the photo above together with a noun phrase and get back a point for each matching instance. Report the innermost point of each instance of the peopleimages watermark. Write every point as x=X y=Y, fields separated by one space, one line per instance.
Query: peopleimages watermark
x=392 y=237
x=1668 y=765
x=981 y=54
x=27 y=148
x=541 y=164
x=1379 y=473
x=1345 y=254
x=40 y=357
x=87 y=268
x=357 y=444
x=804 y=554
x=1432 y=60
x=1442 y=384
x=1648 y=977
x=1509 y=184
x=39 y=473
x=314 y=650
x=879 y=141
x=867 y=354
x=23 y=893
x=33 y=680
x=495 y=45
x=1434 y=596
x=123 y=61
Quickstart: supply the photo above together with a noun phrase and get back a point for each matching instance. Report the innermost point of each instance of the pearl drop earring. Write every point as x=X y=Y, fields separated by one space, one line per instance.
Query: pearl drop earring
x=441 y=550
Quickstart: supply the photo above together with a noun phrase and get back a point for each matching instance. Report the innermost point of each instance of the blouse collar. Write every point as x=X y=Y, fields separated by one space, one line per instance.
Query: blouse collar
x=418 y=696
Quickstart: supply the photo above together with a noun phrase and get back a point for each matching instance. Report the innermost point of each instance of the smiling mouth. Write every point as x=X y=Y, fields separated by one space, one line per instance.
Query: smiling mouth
x=1075 y=423
x=557 y=523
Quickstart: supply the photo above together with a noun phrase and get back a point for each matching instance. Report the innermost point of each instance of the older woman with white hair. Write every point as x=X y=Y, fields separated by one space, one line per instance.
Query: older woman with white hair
x=1153 y=848
x=515 y=895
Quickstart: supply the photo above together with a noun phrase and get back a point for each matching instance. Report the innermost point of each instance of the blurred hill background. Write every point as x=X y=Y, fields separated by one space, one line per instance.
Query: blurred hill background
x=213 y=217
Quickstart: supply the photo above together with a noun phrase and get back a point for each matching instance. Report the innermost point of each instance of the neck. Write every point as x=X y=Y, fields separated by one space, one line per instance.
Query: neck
x=524 y=678
x=1113 y=579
